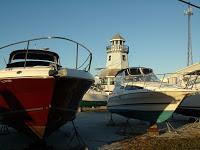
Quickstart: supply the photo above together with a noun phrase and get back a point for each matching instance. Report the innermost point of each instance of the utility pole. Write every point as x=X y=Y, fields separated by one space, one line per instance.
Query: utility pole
x=189 y=13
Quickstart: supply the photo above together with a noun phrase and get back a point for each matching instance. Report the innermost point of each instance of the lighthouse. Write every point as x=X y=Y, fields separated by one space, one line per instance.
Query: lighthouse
x=116 y=59
x=117 y=53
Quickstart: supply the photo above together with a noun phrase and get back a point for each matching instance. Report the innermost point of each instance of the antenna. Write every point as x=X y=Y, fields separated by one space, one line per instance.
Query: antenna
x=189 y=13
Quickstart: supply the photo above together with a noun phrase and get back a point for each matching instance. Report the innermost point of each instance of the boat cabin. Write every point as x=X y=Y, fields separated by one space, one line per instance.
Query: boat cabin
x=32 y=57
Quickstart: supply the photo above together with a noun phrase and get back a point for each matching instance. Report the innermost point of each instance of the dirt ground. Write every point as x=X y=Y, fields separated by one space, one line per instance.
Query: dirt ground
x=185 y=138
x=97 y=134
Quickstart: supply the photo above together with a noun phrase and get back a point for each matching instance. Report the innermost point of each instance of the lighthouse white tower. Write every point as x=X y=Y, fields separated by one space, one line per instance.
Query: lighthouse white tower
x=117 y=59
x=117 y=53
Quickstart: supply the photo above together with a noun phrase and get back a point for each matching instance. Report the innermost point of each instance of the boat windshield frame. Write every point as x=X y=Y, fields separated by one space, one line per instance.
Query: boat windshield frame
x=20 y=58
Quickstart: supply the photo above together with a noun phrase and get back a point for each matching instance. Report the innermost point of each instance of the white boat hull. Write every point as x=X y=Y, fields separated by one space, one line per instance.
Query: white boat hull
x=146 y=105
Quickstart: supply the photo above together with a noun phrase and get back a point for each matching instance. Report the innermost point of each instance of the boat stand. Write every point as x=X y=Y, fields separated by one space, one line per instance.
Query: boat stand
x=76 y=135
x=4 y=129
x=111 y=121
x=153 y=130
x=170 y=128
x=196 y=121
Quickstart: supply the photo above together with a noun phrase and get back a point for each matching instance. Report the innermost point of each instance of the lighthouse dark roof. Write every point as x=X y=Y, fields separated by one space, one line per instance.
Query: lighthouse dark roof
x=117 y=37
x=108 y=72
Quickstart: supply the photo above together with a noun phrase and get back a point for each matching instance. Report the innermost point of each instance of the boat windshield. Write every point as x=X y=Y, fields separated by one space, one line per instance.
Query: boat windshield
x=141 y=78
x=21 y=58
x=126 y=77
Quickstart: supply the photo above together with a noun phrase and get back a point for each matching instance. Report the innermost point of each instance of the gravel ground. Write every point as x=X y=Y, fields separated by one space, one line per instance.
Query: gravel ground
x=185 y=138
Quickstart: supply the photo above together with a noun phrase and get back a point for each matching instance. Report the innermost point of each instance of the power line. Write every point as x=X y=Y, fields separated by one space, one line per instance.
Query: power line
x=189 y=3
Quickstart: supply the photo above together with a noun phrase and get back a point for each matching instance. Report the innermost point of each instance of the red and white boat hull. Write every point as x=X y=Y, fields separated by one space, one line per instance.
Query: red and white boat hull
x=37 y=105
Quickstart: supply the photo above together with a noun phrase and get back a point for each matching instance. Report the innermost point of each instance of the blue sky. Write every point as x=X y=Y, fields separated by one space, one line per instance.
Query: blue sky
x=155 y=30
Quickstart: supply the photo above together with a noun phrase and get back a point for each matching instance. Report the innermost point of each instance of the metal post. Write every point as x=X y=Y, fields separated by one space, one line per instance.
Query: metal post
x=76 y=56
x=189 y=51
x=26 y=53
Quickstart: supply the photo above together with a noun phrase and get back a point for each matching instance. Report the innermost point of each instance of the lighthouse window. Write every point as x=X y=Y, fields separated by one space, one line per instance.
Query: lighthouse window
x=109 y=59
x=123 y=57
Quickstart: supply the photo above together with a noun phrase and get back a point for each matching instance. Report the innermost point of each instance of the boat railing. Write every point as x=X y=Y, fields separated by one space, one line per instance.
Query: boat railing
x=96 y=90
x=84 y=64
x=123 y=48
x=168 y=79
x=191 y=81
x=184 y=80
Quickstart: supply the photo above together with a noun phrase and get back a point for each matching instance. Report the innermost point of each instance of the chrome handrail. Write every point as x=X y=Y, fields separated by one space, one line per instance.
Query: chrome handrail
x=89 y=58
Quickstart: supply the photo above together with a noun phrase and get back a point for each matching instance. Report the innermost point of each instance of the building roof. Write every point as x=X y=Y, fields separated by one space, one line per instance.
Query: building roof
x=108 y=72
x=117 y=37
